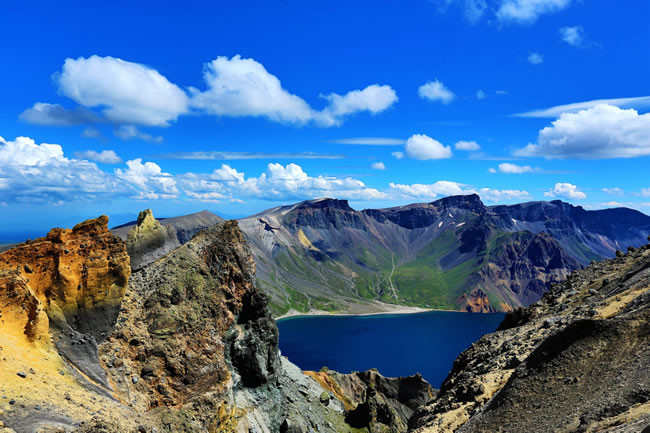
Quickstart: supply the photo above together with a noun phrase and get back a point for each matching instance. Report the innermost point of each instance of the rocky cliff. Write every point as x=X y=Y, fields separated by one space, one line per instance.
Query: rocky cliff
x=59 y=298
x=453 y=253
x=148 y=238
x=184 y=344
x=576 y=361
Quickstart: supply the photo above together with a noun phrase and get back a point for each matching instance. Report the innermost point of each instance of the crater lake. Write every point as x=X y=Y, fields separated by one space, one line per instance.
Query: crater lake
x=395 y=344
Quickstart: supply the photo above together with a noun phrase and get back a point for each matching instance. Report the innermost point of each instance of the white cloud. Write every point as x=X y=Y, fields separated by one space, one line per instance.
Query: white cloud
x=467 y=145
x=277 y=183
x=370 y=141
x=378 y=166
x=126 y=92
x=398 y=155
x=447 y=188
x=509 y=168
x=43 y=113
x=566 y=190
x=239 y=87
x=32 y=172
x=528 y=11
x=500 y=195
x=492 y=170
x=572 y=35
x=603 y=131
x=374 y=99
x=613 y=191
x=645 y=192
x=535 y=58
x=149 y=179
x=129 y=132
x=105 y=156
x=480 y=94
x=134 y=94
x=430 y=191
x=420 y=146
x=243 y=87
x=436 y=91
x=553 y=112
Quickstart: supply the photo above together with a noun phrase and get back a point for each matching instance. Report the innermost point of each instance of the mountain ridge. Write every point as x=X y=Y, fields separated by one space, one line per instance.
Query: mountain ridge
x=324 y=255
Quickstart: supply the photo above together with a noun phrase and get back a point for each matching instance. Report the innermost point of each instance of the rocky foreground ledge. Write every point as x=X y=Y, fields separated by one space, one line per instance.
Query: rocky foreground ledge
x=184 y=343
x=576 y=361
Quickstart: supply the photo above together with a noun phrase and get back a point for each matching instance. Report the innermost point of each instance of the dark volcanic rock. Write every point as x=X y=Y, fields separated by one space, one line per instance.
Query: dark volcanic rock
x=575 y=361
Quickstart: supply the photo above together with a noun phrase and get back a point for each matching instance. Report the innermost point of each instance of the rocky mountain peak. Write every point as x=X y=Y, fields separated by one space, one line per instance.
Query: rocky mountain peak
x=471 y=202
x=325 y=203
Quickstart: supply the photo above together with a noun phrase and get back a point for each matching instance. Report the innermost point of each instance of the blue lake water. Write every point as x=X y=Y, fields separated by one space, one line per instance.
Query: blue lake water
x=395 y=344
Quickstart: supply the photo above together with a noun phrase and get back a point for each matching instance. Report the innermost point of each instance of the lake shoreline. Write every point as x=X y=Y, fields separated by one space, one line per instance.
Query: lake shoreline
x=397 y=309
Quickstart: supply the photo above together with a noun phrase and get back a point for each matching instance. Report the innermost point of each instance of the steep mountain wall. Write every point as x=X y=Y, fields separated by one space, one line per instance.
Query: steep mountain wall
x=454 y=253
x=576 y=361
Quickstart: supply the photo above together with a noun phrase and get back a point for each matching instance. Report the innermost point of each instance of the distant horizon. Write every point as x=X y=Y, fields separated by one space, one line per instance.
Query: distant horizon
x=116 y=220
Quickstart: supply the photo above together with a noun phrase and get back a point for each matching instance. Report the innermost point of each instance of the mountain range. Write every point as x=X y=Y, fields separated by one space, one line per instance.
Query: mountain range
x=454 y=253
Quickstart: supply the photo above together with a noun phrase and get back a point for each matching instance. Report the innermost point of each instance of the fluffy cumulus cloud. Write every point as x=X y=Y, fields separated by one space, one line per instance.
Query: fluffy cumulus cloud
x=398 y=155
x=445 y=188
x=126 y=92
x=239 y=87
x=130 y=132
x=509 y=168
x=528 y=11
x=467 y=145
x=436 y=91
x=373 y=99
x=34 y=173
x=604 y=131
x=42 y=113
x=243 y=87
x=572 y=35
x=535 y=58
x=420 y=146
x=105 y=156
x=566 y=190
x=278 y=182
x=378 y=166
x=150 y=181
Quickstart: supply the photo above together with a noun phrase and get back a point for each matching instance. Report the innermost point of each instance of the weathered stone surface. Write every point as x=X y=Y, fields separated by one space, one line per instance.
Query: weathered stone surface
x=575 y=361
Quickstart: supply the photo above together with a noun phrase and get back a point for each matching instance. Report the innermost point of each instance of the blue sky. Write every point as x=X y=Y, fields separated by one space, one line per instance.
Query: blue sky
x=239 y=106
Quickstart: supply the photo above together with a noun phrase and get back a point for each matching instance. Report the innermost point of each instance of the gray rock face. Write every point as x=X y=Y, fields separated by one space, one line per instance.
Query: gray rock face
x=577 y=360
x=324 y=255
x=149 y=239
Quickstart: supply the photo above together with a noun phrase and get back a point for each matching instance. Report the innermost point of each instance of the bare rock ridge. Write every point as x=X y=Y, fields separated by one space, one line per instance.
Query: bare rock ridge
x=578 y=360
x=453 y=253
x=148 y=239
x=185 y=343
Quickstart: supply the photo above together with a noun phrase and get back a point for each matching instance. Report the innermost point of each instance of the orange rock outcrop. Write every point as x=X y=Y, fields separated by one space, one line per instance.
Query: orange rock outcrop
x=71 y=272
